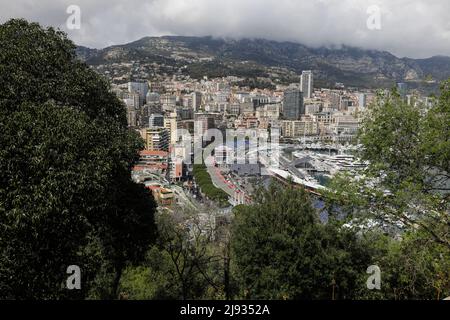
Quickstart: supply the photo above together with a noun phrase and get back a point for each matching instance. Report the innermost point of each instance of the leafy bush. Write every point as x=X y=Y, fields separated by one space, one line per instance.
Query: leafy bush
x=206 y=185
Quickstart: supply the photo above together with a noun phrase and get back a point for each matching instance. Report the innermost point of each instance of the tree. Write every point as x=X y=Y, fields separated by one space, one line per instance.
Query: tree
x=281 y=250
x=152 y=279
x=207 y=187
x=404 y=193
x=66 y=195
x=407 y=181
x=414 y=268
x=184 y=265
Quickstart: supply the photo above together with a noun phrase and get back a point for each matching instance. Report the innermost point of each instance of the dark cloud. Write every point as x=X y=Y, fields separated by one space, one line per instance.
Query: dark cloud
x=414 y=28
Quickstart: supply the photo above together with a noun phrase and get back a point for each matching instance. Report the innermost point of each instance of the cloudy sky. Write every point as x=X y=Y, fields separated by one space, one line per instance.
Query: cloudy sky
x=413 y=28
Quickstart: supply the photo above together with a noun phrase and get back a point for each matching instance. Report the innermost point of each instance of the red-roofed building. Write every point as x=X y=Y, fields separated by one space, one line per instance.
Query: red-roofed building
x=152 y=160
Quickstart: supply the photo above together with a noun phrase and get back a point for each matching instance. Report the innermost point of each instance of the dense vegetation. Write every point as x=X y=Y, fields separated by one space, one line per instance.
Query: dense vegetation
x=184 y=264
x=218 y=69
x=283 y=251
x=408 y=179
x=278 y=249
x=254 y=83
x=66 y=195
x=206 y=185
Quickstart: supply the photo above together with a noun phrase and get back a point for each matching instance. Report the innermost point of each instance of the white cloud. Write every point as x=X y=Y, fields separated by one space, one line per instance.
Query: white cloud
x=414 y=28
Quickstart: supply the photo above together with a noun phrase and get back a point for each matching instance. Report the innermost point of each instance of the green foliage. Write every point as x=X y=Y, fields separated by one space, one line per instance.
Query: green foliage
x=154 y=279
x=412 y=268
x=219 y=69
x=405 y=190
x=184 y=265
x=39 y=65
x=254 y=83
x=211 y=69
x=66 y=195
x=436 y=133
x=282 y=251
x=391 y=139
x=206 y=185
x=408 y=179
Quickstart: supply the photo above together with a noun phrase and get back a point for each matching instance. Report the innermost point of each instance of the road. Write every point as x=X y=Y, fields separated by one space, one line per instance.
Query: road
x=290 y=167
x=219 y=181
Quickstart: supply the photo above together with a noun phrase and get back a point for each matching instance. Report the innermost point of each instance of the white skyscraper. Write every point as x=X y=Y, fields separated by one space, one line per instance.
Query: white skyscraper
x=140 y=87
x=196 y=100
x=362 y=100
x=156 y=120
x=307 y=84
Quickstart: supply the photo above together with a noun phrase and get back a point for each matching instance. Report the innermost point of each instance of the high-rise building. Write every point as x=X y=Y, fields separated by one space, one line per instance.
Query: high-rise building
x=402 y=89
x=345 y=103
x=156 y=87
x=299 y=128
x=168 y=101
x=132 y=117
x=152 y=98
x=345 y=126
x=185 y=113
x=223 y=155
x=196 y=100
x=335 y=100
x=176 y=169
x=234 y=109
x=132 y=99
x=307 y=84
x=156 y=120
x=140 y=87
x=293 y=107
x=156 y=139
x=170 y=123
x=362 y=101
x=203 y=122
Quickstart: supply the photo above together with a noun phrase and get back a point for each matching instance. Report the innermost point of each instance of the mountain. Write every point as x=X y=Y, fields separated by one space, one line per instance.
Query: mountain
x=85 y=53
x=350 y=65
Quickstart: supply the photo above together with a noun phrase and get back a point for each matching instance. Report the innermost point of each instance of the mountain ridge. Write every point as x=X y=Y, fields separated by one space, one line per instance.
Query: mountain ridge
x=351 y=65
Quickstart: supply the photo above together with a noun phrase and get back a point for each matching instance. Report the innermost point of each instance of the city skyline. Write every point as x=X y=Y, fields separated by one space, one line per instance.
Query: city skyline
x=199 y=170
